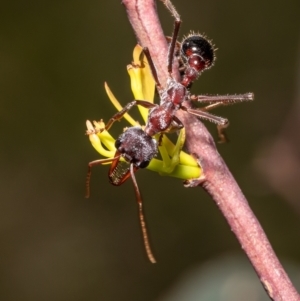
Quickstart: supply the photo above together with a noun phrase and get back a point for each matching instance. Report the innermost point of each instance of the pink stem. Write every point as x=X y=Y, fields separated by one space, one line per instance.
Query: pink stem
x=218 y=181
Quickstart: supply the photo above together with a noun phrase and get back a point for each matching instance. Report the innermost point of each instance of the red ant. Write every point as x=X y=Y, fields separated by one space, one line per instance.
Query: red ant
x=136 y=145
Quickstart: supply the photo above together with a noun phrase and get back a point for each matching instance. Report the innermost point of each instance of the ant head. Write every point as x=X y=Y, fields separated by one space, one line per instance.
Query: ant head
x=136 y=147
x=198 y=52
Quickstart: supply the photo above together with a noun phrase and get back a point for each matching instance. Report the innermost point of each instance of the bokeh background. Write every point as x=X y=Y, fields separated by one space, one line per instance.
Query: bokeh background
x=56 y=245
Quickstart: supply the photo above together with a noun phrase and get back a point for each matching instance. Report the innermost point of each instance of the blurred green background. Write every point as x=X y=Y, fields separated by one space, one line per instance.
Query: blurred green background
x=56 y=245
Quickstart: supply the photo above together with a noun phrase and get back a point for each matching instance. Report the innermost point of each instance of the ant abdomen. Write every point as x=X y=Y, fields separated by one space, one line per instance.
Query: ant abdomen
x=198 y=54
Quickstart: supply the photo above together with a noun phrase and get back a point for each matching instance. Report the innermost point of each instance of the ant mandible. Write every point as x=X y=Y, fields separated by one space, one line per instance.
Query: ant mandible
x=138 y=146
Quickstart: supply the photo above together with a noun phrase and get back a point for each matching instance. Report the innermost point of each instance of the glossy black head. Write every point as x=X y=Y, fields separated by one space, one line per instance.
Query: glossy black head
x=136 y=147
x=197 y=45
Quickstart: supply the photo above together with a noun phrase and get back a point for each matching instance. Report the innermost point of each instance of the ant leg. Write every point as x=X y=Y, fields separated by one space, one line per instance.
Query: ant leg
x=141 y=216
x=222 y=133
x=176 y=124
x=207 y=116
x=152 y=67
x=177 y=24
x=214 y=102
x=171 y=9
x=120 y=114
x=89 y=173
x=221 y=122
x=221 y=100
x=172 y=44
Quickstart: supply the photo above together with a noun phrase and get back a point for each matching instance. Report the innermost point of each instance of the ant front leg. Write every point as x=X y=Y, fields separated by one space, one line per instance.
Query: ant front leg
x=119 y=115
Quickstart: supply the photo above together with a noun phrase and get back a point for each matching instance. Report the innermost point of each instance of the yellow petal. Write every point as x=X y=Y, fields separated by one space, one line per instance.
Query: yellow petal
x=142 y=83
x=96 y=139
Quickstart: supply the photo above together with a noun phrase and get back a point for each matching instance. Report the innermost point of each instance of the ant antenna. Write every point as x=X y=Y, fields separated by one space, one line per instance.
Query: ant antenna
x=141 y=216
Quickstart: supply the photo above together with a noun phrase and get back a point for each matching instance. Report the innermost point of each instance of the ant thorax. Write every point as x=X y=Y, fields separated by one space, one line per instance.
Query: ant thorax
x=175 y=92
x=160 y=118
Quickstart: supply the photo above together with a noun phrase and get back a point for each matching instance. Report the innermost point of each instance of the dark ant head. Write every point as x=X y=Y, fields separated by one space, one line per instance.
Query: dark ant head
x=136 y=147
x=197 y=52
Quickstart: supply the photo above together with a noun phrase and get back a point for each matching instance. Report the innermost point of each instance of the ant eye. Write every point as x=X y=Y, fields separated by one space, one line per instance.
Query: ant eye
x=198 y=45
x=118 y=143
x=144 y=164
